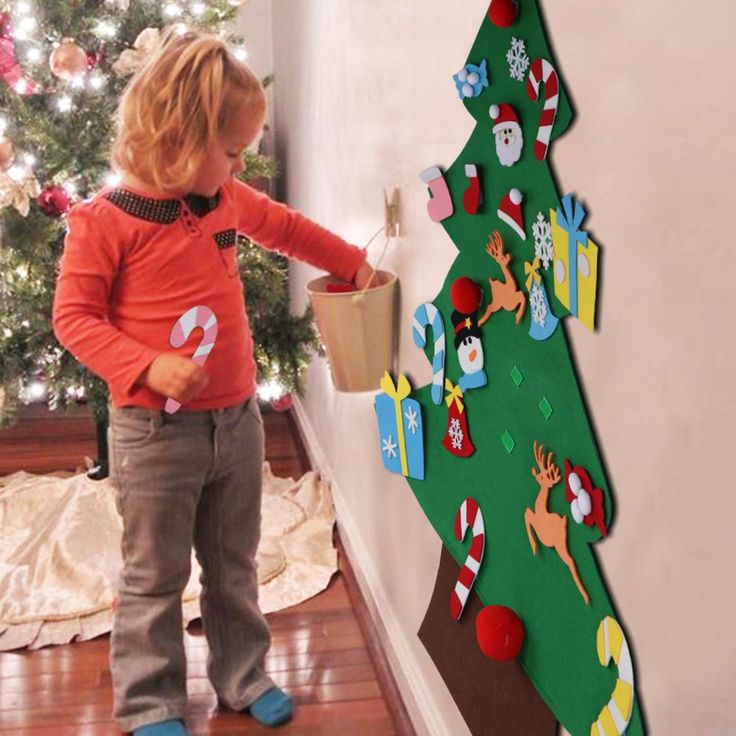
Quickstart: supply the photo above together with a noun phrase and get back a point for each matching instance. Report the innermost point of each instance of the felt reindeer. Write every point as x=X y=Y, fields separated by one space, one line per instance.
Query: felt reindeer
x=550 y=528
x=504 y=294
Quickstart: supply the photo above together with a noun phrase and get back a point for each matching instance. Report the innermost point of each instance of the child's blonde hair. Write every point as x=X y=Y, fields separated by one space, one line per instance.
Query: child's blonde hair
x=175 y=105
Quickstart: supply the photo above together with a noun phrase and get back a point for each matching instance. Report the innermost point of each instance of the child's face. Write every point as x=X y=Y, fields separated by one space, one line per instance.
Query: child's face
x=225 y=157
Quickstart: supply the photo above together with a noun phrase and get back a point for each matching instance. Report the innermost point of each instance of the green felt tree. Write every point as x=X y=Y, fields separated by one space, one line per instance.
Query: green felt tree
x=541 y=518
x=63 y=66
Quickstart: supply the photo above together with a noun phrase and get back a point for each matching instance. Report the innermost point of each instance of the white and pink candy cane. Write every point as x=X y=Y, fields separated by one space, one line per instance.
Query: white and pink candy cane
x=199 y=316
x=542 y=71
x=468 y=515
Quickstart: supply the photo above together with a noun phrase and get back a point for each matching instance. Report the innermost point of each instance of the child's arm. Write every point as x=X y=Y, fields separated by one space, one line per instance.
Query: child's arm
x=277 y=227
x=89 y=264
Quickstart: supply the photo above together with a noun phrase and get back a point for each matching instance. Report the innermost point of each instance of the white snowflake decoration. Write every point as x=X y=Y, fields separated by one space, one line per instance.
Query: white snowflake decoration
x=456 y=434
x=389 y=447
x=543 y=240
x=517 y=59
x=411 y=418
x=539 y=306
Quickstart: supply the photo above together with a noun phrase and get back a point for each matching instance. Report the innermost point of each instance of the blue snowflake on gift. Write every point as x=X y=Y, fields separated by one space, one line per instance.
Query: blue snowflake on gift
x=471 y=80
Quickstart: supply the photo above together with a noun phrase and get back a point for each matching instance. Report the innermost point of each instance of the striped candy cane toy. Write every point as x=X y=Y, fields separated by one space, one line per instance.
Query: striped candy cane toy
x=616 y=714
x=202 y=317
x=424 y=315
x=468 y=515
x=542 y=71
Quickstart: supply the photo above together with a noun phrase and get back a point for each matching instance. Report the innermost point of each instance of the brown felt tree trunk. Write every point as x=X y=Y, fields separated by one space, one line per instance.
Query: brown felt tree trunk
x=494 y=698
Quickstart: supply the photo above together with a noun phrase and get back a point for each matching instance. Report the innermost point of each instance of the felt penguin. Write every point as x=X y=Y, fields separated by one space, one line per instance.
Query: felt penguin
x=465 y=296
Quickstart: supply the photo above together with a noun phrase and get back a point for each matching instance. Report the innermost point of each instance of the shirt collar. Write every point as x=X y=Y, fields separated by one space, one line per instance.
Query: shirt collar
x=157 y=209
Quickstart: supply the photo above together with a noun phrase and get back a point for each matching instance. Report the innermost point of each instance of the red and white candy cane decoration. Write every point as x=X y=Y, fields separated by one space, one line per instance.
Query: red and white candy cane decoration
x=542 y=71
x=468 y=515
x=199 y=316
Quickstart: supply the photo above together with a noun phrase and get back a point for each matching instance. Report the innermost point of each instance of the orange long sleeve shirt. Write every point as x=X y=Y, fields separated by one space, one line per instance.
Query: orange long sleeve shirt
x=134 y=264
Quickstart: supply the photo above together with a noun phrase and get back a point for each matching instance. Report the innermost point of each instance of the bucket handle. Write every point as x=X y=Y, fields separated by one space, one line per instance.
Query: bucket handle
x=358 y=297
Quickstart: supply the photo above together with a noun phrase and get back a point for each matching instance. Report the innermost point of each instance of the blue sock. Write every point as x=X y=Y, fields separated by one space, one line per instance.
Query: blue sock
x=272 y=708
x=165 y=728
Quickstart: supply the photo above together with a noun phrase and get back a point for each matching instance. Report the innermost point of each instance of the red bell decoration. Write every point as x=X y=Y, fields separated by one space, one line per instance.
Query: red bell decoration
x=502 y=13
x=54 y=201
x=500 y=633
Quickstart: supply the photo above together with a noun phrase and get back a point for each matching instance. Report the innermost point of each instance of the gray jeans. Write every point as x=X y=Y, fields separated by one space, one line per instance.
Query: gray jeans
x=183 y=479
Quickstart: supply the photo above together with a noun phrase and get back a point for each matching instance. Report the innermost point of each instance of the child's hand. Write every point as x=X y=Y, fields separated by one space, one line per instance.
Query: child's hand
x=173 y=376
x=363 y=276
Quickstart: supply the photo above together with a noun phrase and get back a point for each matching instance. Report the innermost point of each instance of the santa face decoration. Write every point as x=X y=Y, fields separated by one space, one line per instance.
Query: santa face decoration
x=508 y=134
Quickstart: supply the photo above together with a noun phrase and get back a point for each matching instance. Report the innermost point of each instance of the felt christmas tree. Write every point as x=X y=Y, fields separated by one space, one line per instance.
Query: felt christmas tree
x=533 y=496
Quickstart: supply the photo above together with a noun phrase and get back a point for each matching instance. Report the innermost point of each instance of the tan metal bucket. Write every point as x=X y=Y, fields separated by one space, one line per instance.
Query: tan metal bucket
x=358 y=330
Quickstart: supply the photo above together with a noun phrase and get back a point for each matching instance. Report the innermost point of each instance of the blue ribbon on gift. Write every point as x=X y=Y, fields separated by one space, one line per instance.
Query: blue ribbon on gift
x=569 y=218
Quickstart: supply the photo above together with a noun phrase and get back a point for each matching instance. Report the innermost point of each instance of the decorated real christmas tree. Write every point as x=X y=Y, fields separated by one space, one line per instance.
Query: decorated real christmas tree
x=512 y=480
x=63 y=66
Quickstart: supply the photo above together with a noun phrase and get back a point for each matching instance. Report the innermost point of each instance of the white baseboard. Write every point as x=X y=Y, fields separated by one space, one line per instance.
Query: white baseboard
x=420 y=705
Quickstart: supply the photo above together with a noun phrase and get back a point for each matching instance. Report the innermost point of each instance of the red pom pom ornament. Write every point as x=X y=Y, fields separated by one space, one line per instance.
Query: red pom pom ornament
x=502 y=13
x=465 y=295
x=500 y=633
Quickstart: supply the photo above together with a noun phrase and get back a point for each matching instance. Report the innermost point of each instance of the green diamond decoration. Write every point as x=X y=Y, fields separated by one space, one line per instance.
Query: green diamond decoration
x=516 y=376
x=545 y=407
x=508 y=442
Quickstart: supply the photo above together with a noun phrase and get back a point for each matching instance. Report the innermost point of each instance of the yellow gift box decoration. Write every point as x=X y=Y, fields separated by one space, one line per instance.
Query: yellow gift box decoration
x=575 y=261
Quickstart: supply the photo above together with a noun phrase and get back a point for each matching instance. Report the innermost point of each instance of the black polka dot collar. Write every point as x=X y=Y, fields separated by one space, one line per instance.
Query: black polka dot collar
x=162 y=211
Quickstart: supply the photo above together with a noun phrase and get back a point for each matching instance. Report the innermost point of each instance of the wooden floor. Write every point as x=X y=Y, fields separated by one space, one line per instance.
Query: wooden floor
x=324 y=651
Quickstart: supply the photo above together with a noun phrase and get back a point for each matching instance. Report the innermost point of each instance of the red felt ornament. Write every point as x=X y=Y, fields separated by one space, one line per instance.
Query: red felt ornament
x=457 y=436
x=578 y=485
x=465 y=295
x=340 y=288
x=472 y=196
x=502 y=13
x=500 y=633
x=54 y=201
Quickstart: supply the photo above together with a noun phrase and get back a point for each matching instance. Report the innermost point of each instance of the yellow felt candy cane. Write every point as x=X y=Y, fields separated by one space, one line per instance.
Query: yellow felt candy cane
x=616 y=714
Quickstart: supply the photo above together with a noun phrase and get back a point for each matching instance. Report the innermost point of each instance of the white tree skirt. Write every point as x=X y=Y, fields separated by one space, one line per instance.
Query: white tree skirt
x=60 y=554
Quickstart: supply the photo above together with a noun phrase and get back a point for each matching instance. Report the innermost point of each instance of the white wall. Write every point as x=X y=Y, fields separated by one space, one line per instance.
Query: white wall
x=364 y=100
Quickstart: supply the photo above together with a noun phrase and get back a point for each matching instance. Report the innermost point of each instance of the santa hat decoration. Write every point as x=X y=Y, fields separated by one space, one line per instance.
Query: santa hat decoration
x=510 y=212
x=502 y=13
x=503 y=116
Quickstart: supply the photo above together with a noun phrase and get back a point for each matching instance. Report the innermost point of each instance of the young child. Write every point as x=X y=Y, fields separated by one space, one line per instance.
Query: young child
x=137 y=257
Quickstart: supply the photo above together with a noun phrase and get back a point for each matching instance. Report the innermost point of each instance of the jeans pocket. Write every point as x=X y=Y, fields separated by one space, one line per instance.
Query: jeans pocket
x=254 y=411
x=132 y=431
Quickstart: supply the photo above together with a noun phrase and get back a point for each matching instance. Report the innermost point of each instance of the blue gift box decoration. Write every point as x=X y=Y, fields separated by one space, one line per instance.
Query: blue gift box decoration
x=400 y=428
